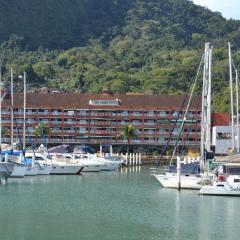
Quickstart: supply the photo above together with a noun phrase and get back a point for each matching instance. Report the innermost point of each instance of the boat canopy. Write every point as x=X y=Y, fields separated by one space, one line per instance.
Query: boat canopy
x=190 y=168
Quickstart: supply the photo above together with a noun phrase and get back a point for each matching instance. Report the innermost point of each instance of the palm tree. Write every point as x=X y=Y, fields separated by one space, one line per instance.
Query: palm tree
x=42 y=130
x=128 y=132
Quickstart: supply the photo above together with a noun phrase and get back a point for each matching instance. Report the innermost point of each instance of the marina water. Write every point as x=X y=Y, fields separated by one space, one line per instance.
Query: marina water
x=127 y=204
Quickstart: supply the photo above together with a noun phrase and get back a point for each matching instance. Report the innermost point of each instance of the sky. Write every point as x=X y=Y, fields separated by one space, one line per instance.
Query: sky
x=228 y=8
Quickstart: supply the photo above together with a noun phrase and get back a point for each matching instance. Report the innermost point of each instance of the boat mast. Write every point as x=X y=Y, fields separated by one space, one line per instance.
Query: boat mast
x=24 y=111
x=0 y=108
x=209 y=102
x=206 y=102
x=187 y=109
x=231 y=95
x=12 y=108
x=237 y=109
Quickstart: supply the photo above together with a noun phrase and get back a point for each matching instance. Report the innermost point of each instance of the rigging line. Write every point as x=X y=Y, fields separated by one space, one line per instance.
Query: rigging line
x=188 y=133
x=42 y=136
x=187 y=109
x=19 y=138
x=176 y=121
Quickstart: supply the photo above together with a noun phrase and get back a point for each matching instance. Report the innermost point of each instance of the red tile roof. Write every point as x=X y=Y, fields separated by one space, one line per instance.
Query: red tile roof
x=220 y=119
x=75 y=101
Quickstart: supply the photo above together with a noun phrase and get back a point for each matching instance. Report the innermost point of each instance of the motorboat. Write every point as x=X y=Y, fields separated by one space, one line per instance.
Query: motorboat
x=222 y=186
x=56 y=166
x=93 y=163
x=66 y=169
x=90 y=163
x=108 y=165
x=119 y=159
x=40 y=163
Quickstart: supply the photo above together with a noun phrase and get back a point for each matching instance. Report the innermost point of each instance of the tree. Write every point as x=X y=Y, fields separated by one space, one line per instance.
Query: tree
x=42 y=130
x=128 y=132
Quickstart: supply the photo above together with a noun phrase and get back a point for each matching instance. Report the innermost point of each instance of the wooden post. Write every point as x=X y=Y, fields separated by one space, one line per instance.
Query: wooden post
x=179 y=172
x=130 y=159
x=126 y=156
x=140 y=159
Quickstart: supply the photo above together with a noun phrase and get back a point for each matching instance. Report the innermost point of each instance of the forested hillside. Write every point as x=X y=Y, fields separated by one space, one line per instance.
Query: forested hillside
x=151 y=46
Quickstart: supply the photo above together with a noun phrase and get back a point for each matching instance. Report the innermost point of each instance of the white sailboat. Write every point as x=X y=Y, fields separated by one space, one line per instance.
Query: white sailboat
x=230 y=185
x=32 y=169
x=19 y=170
x=6 y=168
x=185 y=180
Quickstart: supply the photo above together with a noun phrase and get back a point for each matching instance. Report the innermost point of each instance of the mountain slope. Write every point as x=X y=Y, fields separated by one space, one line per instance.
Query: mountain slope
x=61 y=24
x=151 y=46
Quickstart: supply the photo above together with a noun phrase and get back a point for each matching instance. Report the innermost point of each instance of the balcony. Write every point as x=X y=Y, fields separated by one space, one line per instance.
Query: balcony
x=69 y=122
x=56 y=113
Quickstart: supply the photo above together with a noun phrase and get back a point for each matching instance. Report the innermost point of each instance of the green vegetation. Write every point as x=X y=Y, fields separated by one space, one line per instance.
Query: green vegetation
x=128 y=132
x=150 y=46
x=42 y=130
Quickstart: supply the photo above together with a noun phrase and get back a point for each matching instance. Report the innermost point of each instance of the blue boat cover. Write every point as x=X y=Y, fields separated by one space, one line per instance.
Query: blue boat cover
x=190 y=168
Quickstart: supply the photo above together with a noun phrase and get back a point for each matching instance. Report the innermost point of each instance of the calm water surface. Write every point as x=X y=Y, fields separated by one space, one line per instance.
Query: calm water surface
x=114 y=205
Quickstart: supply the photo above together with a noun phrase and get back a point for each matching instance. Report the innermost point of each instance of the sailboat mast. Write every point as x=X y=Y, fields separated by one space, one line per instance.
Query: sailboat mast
x=237 y=109
x=209 y=101
x=24 y=110
x=12 y=109
x=231 y=95
x=0 y=108
x=205 y=99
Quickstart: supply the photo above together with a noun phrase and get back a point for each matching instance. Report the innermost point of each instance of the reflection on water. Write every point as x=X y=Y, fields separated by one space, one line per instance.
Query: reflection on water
x=128 y=204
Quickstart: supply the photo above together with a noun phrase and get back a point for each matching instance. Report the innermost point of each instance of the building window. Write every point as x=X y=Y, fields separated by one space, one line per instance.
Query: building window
x=224 y=136
x=94 y=102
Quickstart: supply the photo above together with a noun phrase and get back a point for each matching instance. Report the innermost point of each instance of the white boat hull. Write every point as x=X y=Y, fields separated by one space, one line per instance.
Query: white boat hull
x=66 y=169
x=6 y=170
x=31 y=171
x=211 y=190
x=110 y=167
x=225 y=188
x=18 y=171
x=92 y=168
x=44 y=170
x=187 y=182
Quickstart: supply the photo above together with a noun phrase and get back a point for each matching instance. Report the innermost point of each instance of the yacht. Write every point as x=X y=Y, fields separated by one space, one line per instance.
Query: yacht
x=90 y=163
x=40 y=163
x=223 y=187
x=93 y=163
x=108 y=165
x=57 y=167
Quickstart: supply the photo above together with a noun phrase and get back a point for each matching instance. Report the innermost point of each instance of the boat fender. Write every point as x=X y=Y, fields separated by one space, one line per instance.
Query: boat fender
x=221 y=178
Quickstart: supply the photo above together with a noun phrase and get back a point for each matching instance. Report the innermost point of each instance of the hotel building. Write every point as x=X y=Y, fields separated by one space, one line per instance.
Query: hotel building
x=94 y=119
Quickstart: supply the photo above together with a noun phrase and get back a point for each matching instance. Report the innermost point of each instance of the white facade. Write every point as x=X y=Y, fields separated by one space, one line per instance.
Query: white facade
x=222 y=140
